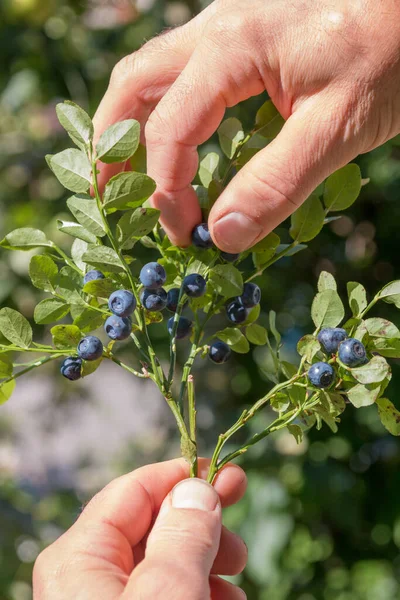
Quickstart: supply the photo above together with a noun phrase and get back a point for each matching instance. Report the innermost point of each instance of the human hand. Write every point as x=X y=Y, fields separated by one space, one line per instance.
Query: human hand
x=149 y=534
x=331 y=70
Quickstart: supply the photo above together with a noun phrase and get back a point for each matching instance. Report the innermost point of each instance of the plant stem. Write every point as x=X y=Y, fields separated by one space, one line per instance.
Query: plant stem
x=69 y=262
x=127 y=368
x=192 y=424
x=48 y=349
x=188 y=366
x=30 y=367
x=272 y=260
x=178 y=313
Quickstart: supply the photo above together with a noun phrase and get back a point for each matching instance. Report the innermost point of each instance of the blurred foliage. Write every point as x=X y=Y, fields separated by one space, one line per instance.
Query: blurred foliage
x=321 y=519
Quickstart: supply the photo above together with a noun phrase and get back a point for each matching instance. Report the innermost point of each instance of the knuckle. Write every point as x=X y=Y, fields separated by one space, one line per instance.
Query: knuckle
x=273 y=187
x=195 y=535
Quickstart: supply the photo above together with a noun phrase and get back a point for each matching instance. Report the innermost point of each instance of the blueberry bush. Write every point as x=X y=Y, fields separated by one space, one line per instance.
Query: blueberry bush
x=100 y=285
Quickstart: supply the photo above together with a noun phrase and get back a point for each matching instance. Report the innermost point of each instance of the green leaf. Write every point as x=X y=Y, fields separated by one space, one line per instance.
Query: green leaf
x=119 y=142
x=214 y=191
x=342 y=188
x=127 y=190
x=297 y=395
x=102 y=257
x=271 y=241
x=6 y=390
x=89 y=367
x=15 y=328
x=6 y=365
x=230 y=135
x=295 y=250
x=389 y=416
x=327 y=309
x=89 y=320
x=197 y=266
x=308 y=347
x=66 y=336
x=101 y=288
x=272 y=326
x=391 y=293
x=388 y=347
x=49 y=310
x=242 y=346
x=335 y=402
x=147 y=242
x=42 y=271
x=326 y=281
x=135 y=224
x=373 y=372
x=288 y=369
x=76 y=122
x=227 y=280
x=72 y=169
x=308 y=220
x=78 y=249
x=364 y=395
x=280 y=402
x=25 y=238
x=230 y=335
x=296 y=432
x=208 y=169
x=322 y=412
x=357 y=297
x=252 y=316
x=381 y=328
x=256 y=334
x=76 y=230
x=86 y=212
x=269 y=122
x=68 y=288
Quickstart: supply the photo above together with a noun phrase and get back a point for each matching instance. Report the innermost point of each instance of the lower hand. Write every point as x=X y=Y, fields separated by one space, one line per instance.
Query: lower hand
x=152 y=534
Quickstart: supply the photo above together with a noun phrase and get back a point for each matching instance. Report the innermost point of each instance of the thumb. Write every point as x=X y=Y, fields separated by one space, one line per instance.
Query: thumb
x=312 y=144
x=181 y=547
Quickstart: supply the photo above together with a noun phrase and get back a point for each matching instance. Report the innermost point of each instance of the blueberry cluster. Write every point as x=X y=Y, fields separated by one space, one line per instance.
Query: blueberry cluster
x=238 y=309
x=334 y=341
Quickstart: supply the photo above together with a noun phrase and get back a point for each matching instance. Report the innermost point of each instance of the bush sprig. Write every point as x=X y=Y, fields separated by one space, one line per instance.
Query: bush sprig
x=200 y=282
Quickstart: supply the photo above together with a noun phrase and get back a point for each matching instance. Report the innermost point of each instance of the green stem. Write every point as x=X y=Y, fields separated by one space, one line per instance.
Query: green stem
x=127 y=368
x=47 y=349
x=178 y=313
x=30 y=367
x=66 y=258
x=192 y=425
x=188 y=366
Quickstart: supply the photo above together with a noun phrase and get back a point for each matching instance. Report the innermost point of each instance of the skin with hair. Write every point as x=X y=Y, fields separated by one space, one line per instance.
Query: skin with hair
x=331 y=69
x=150 y=534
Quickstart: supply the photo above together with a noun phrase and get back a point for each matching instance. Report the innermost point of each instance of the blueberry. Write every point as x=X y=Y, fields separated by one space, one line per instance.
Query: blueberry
x=118 y=328
x=251 y=295
x=173 y=298
x=184 y=328
x=122 y=303
x=352 y=353
x=236 y=312
x=154 y=300
x=330 y=338
x=153 y=276
x=90 y=348
x=92 y=275
x=194 y=285
x=201 y=236
x=71 y=368
x=321 y=375
x=229 y=257
x=219 y=352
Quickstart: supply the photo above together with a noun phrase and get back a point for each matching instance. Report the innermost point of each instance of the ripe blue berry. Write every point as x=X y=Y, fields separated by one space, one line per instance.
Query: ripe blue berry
x=92 y=275
x=118 y=328
x=154 y=300
x=122 y=303
x=201 y=236
x=71 y=368
x=352 y=353
x=184 y=328
x=321 y=375
x=229 y=257
x=251 y=295
x=219 y=352
x=236 y=312
x=194 y=285
x=330 y=338
x=153 y=276
x=90 y=348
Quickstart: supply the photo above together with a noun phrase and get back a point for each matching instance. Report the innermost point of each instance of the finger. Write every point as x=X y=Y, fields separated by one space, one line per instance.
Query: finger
x=280 y=177
x=189 y=113
x=140 y=80
x=182 y=546
x=232 y=554
x=223 y=590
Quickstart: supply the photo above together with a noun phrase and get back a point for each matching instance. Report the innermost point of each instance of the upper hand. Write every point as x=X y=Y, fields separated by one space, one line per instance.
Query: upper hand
x=149 y=535
x=331 y=69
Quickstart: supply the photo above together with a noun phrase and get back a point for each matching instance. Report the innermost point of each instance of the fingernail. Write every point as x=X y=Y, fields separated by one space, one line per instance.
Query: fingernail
x=242 y=594
x=195 y=493
x=236 y=232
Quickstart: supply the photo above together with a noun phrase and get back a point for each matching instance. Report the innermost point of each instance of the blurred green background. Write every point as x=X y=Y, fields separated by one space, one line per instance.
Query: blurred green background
x=321 y=519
